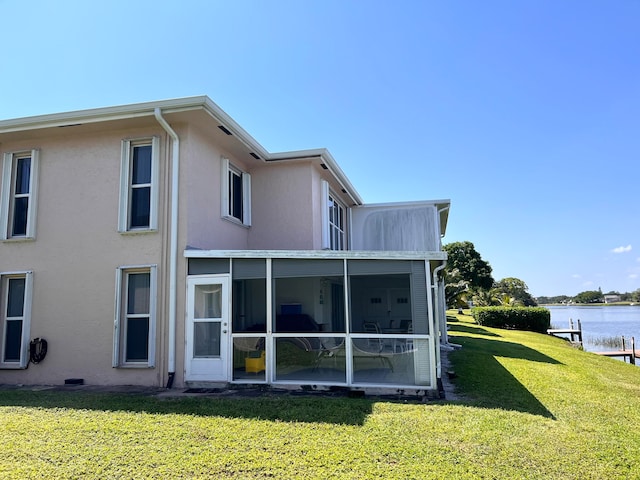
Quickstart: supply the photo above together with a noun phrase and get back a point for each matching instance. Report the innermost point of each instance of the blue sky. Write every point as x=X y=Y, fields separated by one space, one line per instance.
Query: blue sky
x=526 y=114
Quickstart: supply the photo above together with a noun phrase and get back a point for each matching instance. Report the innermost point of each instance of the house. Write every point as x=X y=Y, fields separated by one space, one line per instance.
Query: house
x=612 y=298
x=159 y=244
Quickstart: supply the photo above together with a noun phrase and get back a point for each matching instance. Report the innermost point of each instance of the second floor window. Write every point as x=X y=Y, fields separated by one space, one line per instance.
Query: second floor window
x=336 y=224
x=334 y=220
x=236 y=194
x=18 y=203
x=139 y=186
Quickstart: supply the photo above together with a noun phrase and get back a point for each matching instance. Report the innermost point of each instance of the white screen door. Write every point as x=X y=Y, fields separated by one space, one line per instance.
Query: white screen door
x=207 y=329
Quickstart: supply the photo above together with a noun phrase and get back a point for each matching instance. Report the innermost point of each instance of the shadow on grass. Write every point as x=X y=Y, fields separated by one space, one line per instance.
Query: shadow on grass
x=487 y=382
x=467 y=328
x=284 y=408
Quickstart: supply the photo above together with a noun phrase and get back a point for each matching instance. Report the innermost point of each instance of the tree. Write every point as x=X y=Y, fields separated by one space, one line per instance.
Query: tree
x=486 y=298
x=517 y=290
x=466 y=272
x=589 y=296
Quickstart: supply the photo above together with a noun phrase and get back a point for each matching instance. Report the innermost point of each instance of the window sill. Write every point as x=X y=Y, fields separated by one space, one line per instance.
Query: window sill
x=18 y=239
x=11 y=366
x=141 y=231
x=136 y=366
x=235 y=221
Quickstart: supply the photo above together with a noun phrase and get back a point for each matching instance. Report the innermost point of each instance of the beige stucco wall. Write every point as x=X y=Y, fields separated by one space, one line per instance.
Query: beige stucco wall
x=200 y=188
x=75 y=256
x=282 y=202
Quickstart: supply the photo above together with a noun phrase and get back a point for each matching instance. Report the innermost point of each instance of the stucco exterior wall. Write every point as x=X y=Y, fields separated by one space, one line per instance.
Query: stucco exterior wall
x=283 y=201
x=200 y=187
x=75 y=256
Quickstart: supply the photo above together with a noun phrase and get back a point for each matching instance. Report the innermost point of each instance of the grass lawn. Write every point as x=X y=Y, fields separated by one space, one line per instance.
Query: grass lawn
x=534 y=408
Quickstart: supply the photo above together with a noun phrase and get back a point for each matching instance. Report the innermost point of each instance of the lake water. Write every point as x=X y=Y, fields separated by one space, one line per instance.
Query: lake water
x=600 y=322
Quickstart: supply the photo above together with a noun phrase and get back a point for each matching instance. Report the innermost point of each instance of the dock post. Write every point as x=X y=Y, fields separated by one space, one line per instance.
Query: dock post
x=633 y=350
x=579 y=331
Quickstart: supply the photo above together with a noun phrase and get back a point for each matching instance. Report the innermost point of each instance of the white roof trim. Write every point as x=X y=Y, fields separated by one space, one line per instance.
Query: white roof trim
x=147 y=109
x=316 y=254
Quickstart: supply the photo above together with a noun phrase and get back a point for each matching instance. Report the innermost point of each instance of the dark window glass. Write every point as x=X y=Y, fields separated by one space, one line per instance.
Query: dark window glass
x=140 y=207
x=20 y=216
x=15 y=302
x=13 y=340
x=141 y=170
x=23 y=175
x=137 y=339
x=235 y=195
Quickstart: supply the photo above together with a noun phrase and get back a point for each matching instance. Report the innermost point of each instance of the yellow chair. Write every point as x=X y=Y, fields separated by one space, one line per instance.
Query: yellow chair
x=254 y=364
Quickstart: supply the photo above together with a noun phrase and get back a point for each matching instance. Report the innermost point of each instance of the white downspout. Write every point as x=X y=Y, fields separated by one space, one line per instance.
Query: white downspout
x=436 y=298
x=173 y=246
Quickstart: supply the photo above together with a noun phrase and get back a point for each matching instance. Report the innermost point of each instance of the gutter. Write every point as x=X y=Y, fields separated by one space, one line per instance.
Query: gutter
x=173 y=246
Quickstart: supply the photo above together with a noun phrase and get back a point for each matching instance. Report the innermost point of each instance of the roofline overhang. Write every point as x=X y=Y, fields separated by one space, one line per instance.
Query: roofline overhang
x=167 y=107
x=317 y=254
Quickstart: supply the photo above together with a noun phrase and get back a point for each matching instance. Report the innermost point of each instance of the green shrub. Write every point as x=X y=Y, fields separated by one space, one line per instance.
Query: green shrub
x=534 y=319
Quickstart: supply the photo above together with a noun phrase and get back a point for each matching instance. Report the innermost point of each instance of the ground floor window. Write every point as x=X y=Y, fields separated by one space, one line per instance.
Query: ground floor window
x=15 y=318
x=134 y=337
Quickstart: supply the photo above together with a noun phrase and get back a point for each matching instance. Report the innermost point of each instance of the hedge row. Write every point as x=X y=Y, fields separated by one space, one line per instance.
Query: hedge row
x=534 y=319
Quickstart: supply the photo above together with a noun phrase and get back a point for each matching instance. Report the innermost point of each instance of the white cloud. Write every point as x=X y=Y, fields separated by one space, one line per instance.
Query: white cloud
x=621 y=249
x=576 y=275
x=633 y=275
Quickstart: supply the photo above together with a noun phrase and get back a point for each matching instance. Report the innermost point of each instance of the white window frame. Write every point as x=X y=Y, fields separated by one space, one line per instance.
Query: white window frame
x=25 y=318
x=120 y=318
x=7 y=200
x=226 y=189
x=332 y=235
x=124 y=214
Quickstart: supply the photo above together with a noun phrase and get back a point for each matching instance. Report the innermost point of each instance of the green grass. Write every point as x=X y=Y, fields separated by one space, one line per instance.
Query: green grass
x=534 y=407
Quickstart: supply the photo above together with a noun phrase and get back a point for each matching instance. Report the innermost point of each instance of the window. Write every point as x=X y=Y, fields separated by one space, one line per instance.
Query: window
x=236 y=194
x=134 y=337
x=15 y=318
x=336 y=224
x=139 y=186
x=19 y=189
x=334 y=221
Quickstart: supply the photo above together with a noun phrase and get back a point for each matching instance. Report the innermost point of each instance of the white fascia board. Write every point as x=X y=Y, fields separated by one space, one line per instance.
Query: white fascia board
x=101 y=114
x=317 y=254
x=418 y=203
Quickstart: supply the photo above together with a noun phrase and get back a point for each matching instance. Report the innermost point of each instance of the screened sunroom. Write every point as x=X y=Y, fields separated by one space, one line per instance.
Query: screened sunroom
x=313 y=318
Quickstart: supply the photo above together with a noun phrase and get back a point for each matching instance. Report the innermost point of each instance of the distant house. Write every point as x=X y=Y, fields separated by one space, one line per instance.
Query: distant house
x=610 y=298
x=159 y=244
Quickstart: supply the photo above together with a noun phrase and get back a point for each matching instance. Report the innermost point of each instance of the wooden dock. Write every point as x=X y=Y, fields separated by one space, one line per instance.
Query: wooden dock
x=632 y=354
x=575 y=332
x=576 y=337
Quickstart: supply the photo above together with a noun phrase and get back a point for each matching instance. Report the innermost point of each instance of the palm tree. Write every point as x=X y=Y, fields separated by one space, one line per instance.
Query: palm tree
x=508 y=301
x=486 y=298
